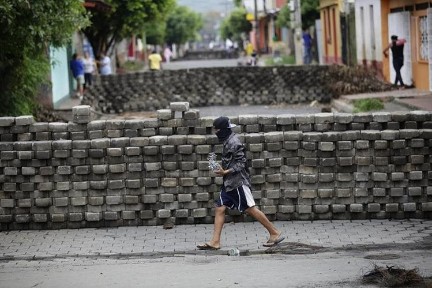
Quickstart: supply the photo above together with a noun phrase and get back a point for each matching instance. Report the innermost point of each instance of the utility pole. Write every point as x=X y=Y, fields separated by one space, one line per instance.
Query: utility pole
x=256 y=27
x=298 y=45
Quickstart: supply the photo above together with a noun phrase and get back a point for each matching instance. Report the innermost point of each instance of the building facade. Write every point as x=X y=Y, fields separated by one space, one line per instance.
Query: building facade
x=409 y=19
x=369 y=34
x=330 y=11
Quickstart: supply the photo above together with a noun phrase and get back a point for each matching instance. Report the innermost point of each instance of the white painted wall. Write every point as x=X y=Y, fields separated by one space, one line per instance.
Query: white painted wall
x=368 y=30
x=399 y=24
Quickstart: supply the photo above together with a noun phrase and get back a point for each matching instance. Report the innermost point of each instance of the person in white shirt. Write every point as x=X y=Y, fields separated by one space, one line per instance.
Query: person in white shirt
x=167 y=54
x=89 y=69
x=105 y=64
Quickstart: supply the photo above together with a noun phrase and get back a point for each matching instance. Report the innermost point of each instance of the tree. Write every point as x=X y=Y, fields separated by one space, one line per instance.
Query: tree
x=235 y=25
x=309 y=12
x=27 y=29
x=284 y=17
x=155 y=32
x=238 y=3
x=182 y=25
x=126 y=17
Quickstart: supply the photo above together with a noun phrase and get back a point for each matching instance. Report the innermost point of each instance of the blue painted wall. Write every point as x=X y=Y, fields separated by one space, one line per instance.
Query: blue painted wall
x=60 y=78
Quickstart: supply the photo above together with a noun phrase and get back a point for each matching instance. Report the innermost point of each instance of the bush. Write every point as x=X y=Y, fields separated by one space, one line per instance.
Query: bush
x=133 y=66
x=369 y=104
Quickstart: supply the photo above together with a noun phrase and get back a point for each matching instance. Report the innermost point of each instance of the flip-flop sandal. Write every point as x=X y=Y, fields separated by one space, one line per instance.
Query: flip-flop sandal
x=277 y=241
x=207 y=246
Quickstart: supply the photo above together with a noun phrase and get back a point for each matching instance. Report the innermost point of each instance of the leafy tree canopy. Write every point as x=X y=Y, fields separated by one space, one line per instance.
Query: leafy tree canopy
x=238 y=3
x=235 y=25
x=27 y=29
x=126 y=17
x=284 y=17
x=182 y=25
x=310 y=12
x=155 y=32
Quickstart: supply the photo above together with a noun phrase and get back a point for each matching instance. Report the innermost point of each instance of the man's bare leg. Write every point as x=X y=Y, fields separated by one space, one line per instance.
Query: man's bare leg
x=260 y=217
x=218 y=225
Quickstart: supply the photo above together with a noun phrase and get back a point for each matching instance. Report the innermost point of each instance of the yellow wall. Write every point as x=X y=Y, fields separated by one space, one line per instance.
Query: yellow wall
x=330 y=22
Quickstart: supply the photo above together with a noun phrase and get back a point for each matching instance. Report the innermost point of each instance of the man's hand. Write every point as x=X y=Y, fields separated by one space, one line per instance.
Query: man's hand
x=221 y=172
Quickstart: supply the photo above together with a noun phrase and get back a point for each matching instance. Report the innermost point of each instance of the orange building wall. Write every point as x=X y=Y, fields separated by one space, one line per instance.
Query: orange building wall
x=331 y=36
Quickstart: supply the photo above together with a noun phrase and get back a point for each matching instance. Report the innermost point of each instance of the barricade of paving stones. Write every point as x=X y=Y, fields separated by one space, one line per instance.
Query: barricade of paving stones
x=202 y=87
x=210 y=54
x=145 y=172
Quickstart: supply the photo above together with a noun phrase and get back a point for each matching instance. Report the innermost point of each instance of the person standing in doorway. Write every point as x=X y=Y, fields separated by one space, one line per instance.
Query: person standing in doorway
x=307 y=47
x=397 y=46
x=77 y=68
x=89 y=69
x=155 y=61
x=236 y=189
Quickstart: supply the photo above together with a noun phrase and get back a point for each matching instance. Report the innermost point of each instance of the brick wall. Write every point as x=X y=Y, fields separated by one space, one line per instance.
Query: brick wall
x=144 y=172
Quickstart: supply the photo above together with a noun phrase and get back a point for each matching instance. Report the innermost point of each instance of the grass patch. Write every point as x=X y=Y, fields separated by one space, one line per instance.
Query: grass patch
x=369 y=104
x=133 y=66
x=279 y=61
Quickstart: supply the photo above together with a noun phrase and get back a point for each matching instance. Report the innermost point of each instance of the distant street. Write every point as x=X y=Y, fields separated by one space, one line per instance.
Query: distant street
x=176 y=65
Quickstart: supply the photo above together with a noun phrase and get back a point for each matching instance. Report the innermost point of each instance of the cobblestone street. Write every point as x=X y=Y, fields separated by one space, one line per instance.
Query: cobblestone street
x=336 y=253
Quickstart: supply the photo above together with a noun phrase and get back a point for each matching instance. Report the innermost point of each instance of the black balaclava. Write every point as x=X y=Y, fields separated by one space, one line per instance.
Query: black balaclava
x=224 y=126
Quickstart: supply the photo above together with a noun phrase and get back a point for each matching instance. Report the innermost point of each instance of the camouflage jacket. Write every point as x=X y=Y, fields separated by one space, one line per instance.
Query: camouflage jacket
x=234 y=159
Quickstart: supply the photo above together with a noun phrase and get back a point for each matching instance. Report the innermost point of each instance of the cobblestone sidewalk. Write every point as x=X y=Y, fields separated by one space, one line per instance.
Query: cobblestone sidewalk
x=183 y=239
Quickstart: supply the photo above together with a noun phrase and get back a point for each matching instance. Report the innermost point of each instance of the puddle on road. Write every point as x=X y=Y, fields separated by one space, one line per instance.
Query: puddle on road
x=382 y=256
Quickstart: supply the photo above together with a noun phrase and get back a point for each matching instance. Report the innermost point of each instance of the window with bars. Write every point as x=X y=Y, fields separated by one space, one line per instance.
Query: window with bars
x=422 y=39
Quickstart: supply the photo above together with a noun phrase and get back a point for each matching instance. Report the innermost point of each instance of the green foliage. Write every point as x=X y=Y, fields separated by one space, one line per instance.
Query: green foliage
x=155 y=32
x=235 y=25
x=309 y=12
x=284 y=17
x=369 y=104
x=133 y=66
x=27 y=28
x=182 y=25
x=124 y=18
x=238 y=3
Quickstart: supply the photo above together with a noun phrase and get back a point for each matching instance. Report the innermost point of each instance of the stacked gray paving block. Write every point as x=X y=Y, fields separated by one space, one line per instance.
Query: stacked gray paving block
x=209 y=55
x=210 y=86
x=148 y=171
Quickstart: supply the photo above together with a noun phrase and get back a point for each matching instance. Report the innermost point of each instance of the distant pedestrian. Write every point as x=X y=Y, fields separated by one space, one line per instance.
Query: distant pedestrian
x=236 y=189
x=397 y=46
x=249 y=49
x=104 y=64
x=89 y=69
x=307 y=47
x=155 y=61
x=167 y=54
x=77 y=68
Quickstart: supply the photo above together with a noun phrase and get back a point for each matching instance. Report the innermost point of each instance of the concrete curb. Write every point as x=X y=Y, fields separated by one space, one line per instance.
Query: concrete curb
x=342 y=106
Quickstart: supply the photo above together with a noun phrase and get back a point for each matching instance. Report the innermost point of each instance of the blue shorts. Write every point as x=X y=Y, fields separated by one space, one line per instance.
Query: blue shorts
x=240 y=198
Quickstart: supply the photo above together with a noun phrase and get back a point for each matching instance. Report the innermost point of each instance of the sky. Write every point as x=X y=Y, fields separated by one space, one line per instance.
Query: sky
x=202 y=6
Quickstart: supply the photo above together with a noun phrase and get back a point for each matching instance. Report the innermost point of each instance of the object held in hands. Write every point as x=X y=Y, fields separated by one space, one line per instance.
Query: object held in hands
x=213 y=165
